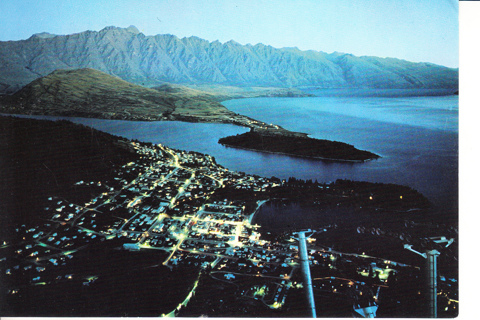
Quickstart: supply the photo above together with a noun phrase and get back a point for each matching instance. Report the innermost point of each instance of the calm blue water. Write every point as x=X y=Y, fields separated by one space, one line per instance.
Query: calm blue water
x=417 y=138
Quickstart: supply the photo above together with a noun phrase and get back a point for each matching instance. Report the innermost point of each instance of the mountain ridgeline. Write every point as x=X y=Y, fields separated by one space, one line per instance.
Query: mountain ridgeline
x=153 y=60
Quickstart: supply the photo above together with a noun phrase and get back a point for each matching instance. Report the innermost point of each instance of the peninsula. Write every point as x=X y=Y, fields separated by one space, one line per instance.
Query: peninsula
x=93 y=94
x=297 y=145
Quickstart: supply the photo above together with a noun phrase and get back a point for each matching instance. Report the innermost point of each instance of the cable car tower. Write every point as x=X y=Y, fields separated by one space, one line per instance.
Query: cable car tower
x=305 y=266
x=431 y=256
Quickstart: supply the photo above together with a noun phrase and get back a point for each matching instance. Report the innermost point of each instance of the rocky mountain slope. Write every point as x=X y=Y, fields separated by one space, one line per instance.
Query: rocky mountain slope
x=153 y=60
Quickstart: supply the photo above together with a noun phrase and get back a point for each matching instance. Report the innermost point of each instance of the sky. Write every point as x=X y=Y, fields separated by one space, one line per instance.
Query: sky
x=414 y=30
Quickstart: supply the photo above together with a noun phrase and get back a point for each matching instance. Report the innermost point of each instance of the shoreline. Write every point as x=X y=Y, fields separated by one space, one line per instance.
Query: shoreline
x=259 y=204
x=283 y=132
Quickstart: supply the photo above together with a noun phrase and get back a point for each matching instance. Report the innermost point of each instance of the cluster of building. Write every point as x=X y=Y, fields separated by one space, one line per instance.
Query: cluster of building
x=164 y=201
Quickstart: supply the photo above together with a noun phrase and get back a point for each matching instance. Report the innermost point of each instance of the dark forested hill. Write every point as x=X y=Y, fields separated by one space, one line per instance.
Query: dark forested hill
x=41 y=158
x=153 y=60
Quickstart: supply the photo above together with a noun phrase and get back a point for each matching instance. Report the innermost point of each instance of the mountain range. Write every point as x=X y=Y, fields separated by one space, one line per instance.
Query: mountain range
x=153 y=60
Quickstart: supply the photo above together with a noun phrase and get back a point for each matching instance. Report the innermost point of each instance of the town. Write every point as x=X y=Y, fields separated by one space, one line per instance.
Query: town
x=170 y=202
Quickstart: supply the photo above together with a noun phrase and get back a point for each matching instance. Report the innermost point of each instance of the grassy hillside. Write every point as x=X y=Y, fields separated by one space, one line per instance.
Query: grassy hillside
x=94 y=94
x=216 y=92
x=87 y=93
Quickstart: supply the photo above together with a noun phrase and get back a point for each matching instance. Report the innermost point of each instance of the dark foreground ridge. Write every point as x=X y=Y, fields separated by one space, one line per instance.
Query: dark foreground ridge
x=296 y=145
x=48 y=157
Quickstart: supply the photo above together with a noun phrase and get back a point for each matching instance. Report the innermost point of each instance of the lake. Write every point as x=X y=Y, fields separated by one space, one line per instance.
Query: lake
x=416 y=136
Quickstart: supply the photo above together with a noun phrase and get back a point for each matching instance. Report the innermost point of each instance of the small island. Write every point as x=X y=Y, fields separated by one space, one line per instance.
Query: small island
x=297 y=145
